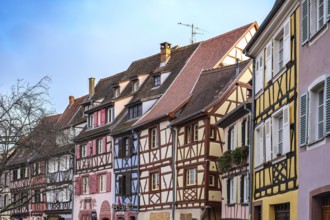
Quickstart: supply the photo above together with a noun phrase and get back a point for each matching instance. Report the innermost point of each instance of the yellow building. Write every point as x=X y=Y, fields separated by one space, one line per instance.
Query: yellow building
x=274 y=49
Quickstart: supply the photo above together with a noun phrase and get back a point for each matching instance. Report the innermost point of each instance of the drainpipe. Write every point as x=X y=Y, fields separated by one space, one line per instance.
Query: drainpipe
x=174 y=143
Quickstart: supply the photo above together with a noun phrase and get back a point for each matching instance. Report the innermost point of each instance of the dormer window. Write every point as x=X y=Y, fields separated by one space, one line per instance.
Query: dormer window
x=135 y=85
x=117 y=91
x=156 y=80
x=135 y=111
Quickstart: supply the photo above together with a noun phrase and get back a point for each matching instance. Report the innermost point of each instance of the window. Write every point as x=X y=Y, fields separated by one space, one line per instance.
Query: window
x=320 y=113
x=153 y=138
x=213 y=134
x=124 y=183
x=281 y=132
x=282 y=211
x=155 y=181
x=36 y=169
x=195 y=132
x=188 y=134
x=37 y=196
x=85 y=185
x=191 y=176
x=110 y=115
x=65 y=194
x=91 y=121
x=52 y=165
x=15 y=175
x=135 y=85
x=244 y=133
x=135 y=111
x=24 y=173
x=99 y=146
x=156 y=80
x=244 y=189
x=231 y=138
x=64 y=162
x=83 y=151
x=126 y=147
x=116 y=91
x=211 y=180
x=282 y=47
x=314 y=15
x=102 y=183
x=230 y=191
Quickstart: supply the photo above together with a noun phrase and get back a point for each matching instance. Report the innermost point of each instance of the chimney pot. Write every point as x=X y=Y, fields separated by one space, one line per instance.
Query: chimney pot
x=91 y=86
x=71 y=100
x=165 y=52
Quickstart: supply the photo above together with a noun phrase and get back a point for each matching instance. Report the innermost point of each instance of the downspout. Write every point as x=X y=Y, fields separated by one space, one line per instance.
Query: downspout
x=174 y=143
x=251 y=139
x=137 y=172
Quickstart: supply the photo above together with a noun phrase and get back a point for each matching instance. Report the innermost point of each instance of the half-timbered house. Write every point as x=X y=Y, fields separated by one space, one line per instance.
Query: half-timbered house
x=59 y=164
x=157 y=139
x=27 y=172
x=234 y=162
x=275 y=168
x=158 y=72
x=199 y=141
x=93 y=166
x=5 y=195
x=314 y=91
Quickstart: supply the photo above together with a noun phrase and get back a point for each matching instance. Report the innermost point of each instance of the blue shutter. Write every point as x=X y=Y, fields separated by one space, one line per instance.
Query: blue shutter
x=327 y=105
x=303 y=129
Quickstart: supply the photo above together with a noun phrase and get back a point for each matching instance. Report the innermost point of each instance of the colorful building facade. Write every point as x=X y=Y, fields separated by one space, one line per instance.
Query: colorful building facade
x=275 y=49
x=314 y=87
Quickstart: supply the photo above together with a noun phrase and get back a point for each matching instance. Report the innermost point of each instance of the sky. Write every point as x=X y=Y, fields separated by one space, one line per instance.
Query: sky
x=73 y=40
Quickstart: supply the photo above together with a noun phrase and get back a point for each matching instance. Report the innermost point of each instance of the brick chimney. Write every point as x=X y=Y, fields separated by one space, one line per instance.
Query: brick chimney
x=71 y=100
x=165 y=52
x=91 y=86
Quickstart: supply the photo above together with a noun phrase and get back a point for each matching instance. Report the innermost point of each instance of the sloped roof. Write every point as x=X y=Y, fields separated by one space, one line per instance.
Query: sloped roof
x=210 y=87
x=206 y=56
x=178 y=59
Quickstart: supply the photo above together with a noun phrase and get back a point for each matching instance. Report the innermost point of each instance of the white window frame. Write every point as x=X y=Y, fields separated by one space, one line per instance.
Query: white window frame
x=110 y=114
x=117 y=91
x=284 y=36
x=231 y=191
x=259 y=69
x=191 y=176
x=154 y=138
x=155 y=181
x=281 y=116
x=100 y=146
x=313 y=134
x=259 y=143
x=195 y=132
x=212 y=180
x=91 y=121
x=83 y=150
x=324 y=17
x=64 y=163
x=85 y=185
x=52 y=165
x=245 y=196
x=135 y=85
x=102 y=183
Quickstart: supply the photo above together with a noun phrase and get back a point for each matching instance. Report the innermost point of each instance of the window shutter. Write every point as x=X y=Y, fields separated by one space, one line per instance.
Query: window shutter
x=259 y=158
x=304 y=21
x=327 y=105
x=303 y=119
x=103 y=118
x=120 y=185
x=269 y=67
x=77 y=187
x=286 y=43
x=94 y=146
x=286 y=129
x=95 y=119
x=77 y=151
x=108 y=185
x=92 y=183
x=268 y=137
x=128 y=184
x=328 y=8
x=120 y=147
x=104 y=144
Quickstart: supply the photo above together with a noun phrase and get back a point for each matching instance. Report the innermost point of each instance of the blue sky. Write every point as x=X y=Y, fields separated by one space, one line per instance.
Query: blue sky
x=73 y=40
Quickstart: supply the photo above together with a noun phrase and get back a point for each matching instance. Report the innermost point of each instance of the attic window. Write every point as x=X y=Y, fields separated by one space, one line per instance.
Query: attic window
x=135 y=85
x=135 y=111
x=156 y=80
x=116 y=91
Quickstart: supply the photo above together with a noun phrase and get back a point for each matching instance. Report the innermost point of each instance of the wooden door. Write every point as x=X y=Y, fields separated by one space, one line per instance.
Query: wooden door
x=326 y=212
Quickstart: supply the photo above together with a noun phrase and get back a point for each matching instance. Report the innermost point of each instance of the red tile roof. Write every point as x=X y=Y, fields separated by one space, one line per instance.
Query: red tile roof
x=207 y=55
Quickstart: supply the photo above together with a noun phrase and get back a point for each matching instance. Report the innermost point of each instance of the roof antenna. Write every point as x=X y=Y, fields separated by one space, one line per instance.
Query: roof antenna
x=193 y=31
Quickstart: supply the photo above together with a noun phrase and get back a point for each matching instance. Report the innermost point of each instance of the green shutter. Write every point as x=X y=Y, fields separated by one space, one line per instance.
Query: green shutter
x=327 y=105
x=305 y=21
x=303 y=129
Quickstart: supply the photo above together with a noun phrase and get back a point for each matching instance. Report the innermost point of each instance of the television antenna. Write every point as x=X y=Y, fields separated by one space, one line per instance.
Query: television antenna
x=193 y=31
